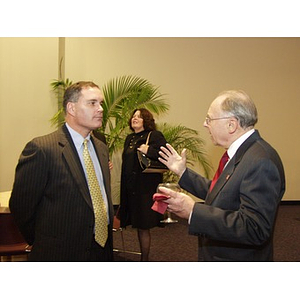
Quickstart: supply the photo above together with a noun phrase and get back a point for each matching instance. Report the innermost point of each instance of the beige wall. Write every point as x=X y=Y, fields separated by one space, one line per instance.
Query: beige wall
x=191 y=71
x=27 y=65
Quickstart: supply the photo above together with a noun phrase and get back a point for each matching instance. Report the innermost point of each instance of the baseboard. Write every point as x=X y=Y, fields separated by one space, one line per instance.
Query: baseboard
x=290 y=202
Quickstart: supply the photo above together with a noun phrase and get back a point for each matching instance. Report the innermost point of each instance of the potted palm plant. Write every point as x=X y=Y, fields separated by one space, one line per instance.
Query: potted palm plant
x=121 y=96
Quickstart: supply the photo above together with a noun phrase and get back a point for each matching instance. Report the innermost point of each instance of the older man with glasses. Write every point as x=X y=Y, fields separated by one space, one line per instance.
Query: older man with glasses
x=236 y=221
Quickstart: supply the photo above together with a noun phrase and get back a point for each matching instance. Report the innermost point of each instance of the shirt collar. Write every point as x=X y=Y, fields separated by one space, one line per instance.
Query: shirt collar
x=237 y=143
x=77 y=137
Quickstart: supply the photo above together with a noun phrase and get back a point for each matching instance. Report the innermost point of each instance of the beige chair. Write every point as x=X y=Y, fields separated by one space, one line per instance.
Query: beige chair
x=4 y=198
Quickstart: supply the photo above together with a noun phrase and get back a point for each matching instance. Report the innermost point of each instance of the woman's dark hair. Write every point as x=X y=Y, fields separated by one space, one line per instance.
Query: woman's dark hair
x=148 y=120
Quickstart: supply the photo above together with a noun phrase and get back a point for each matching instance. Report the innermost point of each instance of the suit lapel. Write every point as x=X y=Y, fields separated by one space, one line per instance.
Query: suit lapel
x=226 y=174
x=69 y=152
x=228 y=171
x=103 y=159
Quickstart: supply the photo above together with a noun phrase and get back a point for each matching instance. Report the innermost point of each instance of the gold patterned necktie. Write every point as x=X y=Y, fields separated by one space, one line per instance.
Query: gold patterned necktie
x=101 y=231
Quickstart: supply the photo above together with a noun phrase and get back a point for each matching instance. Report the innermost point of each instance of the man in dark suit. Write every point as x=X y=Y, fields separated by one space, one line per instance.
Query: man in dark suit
x=236 y=222
x=51 y=200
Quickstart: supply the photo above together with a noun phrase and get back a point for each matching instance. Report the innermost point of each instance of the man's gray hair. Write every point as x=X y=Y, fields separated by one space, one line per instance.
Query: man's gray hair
x=238 y=104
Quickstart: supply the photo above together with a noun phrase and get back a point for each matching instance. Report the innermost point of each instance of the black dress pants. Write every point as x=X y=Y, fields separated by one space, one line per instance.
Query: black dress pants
x=98 y=253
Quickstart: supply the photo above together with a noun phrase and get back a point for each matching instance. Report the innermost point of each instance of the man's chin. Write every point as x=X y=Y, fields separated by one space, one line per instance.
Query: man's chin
x=96 y=125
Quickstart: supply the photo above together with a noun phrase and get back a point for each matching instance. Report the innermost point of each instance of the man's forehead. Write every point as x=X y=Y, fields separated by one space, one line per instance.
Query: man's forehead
x=216 y=105
x=220 y=99
x=92 y=91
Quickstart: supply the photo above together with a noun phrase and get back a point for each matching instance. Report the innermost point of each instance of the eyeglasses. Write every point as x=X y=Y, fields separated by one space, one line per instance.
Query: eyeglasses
x=208 y=119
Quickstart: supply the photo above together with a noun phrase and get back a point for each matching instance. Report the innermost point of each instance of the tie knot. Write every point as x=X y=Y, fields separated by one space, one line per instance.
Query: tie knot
x=225 y=156
x=85 y=142
x=224 y=159
x=222 y=164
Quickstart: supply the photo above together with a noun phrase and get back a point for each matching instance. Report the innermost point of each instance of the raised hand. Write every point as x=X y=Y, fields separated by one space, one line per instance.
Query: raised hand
x=172 y=159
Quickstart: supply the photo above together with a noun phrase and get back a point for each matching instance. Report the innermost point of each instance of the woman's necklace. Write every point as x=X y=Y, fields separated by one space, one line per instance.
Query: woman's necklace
x=134 y=140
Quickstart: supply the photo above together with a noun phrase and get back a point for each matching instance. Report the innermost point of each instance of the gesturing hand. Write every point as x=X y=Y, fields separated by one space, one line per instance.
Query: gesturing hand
x=173 y=160
x=178 y=203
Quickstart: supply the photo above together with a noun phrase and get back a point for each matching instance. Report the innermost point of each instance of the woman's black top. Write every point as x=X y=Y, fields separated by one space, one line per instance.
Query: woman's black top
x=137 y=188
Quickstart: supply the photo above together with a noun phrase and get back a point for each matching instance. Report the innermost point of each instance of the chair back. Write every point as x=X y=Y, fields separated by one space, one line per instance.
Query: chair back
x=11 y=239
x=9 y=232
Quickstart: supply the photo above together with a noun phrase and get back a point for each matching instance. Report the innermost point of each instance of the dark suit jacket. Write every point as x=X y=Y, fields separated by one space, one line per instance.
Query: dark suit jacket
x=50 y=200
x=236 y=223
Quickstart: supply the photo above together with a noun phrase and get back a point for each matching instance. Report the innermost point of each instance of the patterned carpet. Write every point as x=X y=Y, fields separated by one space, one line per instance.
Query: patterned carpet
x=287 y=234
x=173 y=243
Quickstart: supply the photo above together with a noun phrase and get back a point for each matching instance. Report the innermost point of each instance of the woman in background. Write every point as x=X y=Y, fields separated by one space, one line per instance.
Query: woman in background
x=137 y=188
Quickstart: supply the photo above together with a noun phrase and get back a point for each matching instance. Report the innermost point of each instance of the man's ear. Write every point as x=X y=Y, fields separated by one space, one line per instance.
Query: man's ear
x=233 y=125
x=71 y=108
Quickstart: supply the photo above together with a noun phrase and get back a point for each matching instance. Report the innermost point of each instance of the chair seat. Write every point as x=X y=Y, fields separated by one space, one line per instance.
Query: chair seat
x=14 y=249
x=11 y=240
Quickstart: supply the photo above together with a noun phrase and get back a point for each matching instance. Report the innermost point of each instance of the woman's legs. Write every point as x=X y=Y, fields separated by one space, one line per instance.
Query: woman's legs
x=145 y=241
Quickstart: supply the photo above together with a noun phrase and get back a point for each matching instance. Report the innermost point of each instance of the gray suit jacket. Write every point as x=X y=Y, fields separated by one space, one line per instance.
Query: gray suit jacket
x=236 y=222
x=50 y=200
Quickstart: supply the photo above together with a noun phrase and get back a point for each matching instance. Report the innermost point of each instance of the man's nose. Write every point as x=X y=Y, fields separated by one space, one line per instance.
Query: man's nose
x=100 y=107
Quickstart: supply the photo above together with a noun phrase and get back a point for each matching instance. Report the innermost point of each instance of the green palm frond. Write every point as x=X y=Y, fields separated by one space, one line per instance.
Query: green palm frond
x=59 y=87
x=124 y=94
x=58 y=119
x=121 y=96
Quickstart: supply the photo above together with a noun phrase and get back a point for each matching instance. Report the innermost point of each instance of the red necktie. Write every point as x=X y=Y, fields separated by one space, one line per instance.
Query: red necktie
x=222 y=163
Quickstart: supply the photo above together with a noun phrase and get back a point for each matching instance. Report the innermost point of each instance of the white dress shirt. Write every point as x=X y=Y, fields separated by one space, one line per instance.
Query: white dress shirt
x=78 y=142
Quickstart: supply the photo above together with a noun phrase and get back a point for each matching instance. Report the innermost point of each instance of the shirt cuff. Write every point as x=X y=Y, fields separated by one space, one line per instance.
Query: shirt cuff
x=189 y=220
